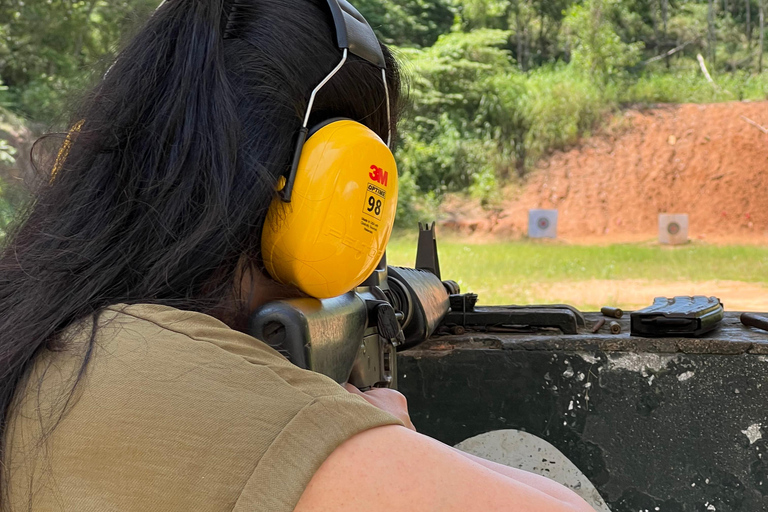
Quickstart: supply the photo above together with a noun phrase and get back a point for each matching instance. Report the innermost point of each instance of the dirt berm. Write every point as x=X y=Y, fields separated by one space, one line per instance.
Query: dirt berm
x=709 y=161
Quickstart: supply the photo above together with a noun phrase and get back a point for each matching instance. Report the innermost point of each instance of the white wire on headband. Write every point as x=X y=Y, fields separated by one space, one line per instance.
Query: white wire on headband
x=335 y=70
x=389 y=111
x=286 y=187
x=320 y=86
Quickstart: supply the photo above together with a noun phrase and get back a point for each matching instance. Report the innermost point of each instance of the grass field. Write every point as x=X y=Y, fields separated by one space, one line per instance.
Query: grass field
x=624 y=275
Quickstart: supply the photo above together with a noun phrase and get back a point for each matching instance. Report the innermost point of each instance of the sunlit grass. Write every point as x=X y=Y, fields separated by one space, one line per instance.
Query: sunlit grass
x=522 y=272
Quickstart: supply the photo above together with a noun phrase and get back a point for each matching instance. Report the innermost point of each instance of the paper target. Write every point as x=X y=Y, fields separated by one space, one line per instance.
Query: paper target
x=673 y=228
x=542 y=223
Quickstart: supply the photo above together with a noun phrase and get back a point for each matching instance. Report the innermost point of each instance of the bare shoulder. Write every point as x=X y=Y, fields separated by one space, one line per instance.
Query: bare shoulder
x=392 y=468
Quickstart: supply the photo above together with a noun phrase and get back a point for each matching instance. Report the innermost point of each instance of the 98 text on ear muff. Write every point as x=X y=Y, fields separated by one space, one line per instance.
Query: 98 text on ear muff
x=333 y=233
x=329 y=227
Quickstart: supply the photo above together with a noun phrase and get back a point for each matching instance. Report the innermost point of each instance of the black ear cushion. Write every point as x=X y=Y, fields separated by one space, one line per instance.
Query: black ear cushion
x=325 y=123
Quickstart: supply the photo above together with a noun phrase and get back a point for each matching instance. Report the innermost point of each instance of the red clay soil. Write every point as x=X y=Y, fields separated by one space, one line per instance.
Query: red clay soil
x=704 y=160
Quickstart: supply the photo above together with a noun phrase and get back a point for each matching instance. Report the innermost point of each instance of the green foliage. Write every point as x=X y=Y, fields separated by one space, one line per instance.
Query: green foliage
x=597 y=47
x=12 y=193
x=50 y=48
x=7 y=153
x=413 y=205
x=561 y=104
x=447 y=162
x=485 y=14
x=689 y=86
x=475 y=119
x=493 y=85
x=689 y=21
x=408 y=22
x=458 y=124
x=448 y=76
x=12 y=197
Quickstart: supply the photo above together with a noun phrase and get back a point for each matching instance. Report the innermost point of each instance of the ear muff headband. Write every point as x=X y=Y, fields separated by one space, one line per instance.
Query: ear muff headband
x=353 y=32
x=353 y=35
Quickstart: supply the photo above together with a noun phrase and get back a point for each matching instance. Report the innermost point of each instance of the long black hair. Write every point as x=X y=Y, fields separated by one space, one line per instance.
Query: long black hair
x=166 y=186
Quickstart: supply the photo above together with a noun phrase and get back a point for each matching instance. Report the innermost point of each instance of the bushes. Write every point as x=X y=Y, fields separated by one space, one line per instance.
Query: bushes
x=493 y=85
x=475 y=120
x=561 y=104
x=597 y=47
x=13 y=194
x=690 y=86
x=413 y=205
x=463 y=123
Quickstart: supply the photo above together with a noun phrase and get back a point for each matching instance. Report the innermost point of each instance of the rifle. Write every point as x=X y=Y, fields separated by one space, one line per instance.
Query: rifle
x=354 y=337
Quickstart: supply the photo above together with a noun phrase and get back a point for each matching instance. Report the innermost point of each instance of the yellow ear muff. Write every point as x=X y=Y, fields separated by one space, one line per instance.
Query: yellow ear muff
x=333 y=233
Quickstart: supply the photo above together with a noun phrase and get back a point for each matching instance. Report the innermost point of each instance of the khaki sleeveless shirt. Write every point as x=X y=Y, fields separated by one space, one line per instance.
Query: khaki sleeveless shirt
x=175 y=412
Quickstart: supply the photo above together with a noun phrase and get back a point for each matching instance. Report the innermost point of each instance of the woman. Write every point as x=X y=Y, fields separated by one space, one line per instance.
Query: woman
x=127 y=383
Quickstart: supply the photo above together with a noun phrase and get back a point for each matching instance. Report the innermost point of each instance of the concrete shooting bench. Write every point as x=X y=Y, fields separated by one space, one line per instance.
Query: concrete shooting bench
x=656 y=424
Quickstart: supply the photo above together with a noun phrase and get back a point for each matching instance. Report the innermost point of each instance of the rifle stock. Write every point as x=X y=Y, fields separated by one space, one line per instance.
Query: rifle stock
x=353 y=338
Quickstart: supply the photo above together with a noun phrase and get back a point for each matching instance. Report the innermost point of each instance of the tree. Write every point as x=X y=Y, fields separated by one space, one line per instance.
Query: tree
x=747 y=12
x=463 y=115
x=50 y=47
x=408 y=22
x=762 y=34
x=711 y=38
x=597 y=47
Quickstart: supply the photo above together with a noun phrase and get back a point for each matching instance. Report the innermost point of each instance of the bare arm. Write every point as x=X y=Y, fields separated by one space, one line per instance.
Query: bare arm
x=393 y=468
x=395 y=403
x=541 y=483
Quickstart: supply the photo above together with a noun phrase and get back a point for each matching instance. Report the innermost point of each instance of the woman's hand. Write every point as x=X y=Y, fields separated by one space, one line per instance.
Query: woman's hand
x=388 y=400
